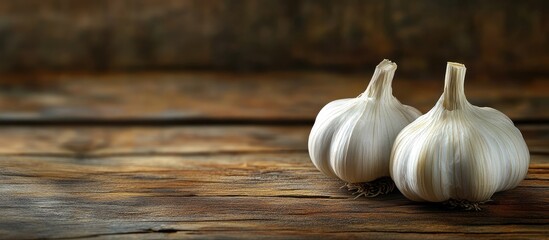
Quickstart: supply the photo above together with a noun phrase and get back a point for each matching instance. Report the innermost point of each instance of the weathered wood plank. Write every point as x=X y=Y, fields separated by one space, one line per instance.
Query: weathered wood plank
x=257 y=195
x=224 y=181
x=100 y=141
x=255 y=234
x=264 y=96
x=135 y=140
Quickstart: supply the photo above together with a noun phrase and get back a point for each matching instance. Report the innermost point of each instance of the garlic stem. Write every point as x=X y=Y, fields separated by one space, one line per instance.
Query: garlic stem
x=454 y=93
x=380 y=86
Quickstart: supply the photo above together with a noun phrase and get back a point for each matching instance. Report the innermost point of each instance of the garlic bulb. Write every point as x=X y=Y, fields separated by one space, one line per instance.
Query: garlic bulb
x=352 y=138
x=458 y=151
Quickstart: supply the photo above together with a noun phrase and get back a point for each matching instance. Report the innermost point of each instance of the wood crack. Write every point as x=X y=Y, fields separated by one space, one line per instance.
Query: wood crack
x=163 y=154
x=145 y=231
x=175 y=230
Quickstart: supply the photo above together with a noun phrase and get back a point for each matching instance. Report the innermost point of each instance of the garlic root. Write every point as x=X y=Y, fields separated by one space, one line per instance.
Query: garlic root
x=466 y=205
x=374 y=188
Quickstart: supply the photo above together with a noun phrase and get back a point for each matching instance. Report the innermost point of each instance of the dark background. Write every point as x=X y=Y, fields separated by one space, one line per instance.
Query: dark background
x=496 y=38
x=250 y=61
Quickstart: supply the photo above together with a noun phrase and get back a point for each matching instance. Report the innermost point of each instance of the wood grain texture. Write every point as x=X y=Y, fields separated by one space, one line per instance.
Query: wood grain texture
x=256 y=195
x=255 y=97
x=214 y=155
x=223 y=182
x=174 y=140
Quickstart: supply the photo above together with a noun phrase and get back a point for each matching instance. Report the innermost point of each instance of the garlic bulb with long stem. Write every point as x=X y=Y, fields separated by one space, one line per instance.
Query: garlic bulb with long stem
x=352 y=138
x=458 y=151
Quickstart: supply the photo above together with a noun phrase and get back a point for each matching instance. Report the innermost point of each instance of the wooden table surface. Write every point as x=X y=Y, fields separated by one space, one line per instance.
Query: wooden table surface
x=211 y=155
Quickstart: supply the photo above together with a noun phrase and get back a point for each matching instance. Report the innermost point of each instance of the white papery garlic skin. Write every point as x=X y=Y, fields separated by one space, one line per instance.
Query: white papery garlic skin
x=352 y=138
x=457 y=150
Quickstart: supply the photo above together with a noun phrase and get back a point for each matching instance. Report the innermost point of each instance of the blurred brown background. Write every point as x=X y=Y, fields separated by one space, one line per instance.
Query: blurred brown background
x=204 y=59
x=494 y=37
